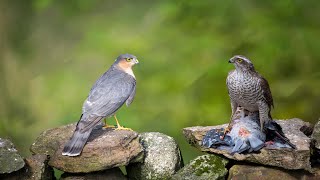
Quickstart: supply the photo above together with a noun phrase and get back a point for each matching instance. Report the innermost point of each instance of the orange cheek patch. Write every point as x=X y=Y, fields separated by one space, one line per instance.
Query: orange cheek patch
x=123 y=64
x=243 y=132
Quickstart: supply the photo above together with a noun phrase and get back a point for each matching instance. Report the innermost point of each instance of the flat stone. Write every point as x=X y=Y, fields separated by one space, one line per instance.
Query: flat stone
x=105 y=149
x=202 y=168
x=316 y=135
x=284 y=157
x=266 y=173
x=10 y=159
x=36 y=168
x=110 y=174
x=162 y=158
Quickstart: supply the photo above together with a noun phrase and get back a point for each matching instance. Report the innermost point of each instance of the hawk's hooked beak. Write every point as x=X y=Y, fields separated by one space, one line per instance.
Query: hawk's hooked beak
x=230 y=61
x=136 y=61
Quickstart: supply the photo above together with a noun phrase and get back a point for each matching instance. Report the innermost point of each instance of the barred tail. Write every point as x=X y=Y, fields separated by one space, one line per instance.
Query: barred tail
x=80 y=136
x=75 y=145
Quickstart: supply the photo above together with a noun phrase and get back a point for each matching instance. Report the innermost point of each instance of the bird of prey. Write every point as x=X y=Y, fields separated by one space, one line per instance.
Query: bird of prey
x=248 y=89
x=114 y=88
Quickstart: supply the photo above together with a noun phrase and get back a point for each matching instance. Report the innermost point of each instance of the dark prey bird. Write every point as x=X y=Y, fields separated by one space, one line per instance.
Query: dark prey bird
x=244 y=136
x=248 y=89
x=114 y=88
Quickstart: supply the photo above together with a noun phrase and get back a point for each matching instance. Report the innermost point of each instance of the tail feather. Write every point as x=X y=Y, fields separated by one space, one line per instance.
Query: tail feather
x=274 y=130
x=285 y=140
x=76 y=143
x=80 y=136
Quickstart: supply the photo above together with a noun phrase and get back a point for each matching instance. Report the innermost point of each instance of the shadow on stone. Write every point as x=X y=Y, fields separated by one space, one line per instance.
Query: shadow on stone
x=110 y=174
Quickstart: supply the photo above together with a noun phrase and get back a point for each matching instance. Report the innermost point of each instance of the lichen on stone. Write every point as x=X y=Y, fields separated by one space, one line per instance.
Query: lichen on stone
x=208 y=164
x=204 y=167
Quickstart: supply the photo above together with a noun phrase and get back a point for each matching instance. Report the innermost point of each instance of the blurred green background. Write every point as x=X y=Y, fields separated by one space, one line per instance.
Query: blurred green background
x=52 y=52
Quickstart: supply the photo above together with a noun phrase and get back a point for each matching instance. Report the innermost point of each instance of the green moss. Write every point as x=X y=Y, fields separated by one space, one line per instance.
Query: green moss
x=204 y=167
x=208 y=164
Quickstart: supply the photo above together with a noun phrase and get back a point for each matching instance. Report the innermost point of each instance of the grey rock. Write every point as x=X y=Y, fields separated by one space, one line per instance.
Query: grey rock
x=316 y=135
x=266 y=173
x=10 y=160
x=162 y=158
x=284 y=157
x=110 y=174
x=105 y=149
x=36 y=168
x=202 y=168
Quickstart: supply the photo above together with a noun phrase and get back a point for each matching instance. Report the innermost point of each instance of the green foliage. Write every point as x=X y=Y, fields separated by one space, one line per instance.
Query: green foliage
x=55 y=50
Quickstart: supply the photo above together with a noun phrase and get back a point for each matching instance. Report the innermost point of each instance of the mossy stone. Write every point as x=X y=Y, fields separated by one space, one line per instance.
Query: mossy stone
x=203 y=167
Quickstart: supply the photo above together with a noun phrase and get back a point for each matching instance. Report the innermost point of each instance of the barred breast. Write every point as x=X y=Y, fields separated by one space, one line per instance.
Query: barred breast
x=244 y=89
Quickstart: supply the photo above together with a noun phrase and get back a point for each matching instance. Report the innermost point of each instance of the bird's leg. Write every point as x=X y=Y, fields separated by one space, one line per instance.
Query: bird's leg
x=264 y=112
x=106 y=125
x=119 y=127
x=234 y=107
x=228 y=128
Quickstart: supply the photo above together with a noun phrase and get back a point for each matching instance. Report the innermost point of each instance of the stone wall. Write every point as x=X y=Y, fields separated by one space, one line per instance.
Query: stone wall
x=153 y=155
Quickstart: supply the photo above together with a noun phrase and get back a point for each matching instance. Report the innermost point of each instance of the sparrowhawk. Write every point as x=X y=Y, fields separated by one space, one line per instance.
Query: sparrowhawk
x=248 y=89
x=114 y=88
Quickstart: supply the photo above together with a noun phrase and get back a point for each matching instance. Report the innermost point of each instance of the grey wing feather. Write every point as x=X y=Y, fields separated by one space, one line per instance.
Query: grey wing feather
x=131 y=97
x=107 y=97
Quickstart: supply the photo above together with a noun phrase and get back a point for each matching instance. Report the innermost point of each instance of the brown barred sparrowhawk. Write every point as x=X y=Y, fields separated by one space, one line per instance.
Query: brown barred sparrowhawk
x=114 y=88
x=248 y=89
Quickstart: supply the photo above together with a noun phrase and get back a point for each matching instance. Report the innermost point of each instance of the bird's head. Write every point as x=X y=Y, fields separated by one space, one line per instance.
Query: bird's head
x=242 y=63
x=125 y=62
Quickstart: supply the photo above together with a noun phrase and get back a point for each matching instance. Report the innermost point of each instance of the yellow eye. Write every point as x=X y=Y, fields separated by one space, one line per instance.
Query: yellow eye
x=239 y=60
x=128 y=59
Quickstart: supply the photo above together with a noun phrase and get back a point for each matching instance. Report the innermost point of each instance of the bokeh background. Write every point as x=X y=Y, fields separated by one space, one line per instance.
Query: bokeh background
x=52 y=51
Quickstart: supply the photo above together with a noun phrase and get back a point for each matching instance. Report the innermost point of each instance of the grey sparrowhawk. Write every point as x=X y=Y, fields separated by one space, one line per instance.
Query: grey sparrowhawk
x=114 y=88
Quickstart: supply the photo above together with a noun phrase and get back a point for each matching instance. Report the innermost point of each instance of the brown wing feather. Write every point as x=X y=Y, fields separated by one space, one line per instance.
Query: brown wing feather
x=266 y=91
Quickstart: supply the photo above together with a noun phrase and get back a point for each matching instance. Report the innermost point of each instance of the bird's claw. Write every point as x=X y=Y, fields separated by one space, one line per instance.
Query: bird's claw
x=226 y=130
x=123 y=128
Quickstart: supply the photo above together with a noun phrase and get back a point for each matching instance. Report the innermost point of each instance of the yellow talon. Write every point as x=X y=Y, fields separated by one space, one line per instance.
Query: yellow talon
x=119 y=127
x=123 y=128
x=106 y=125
